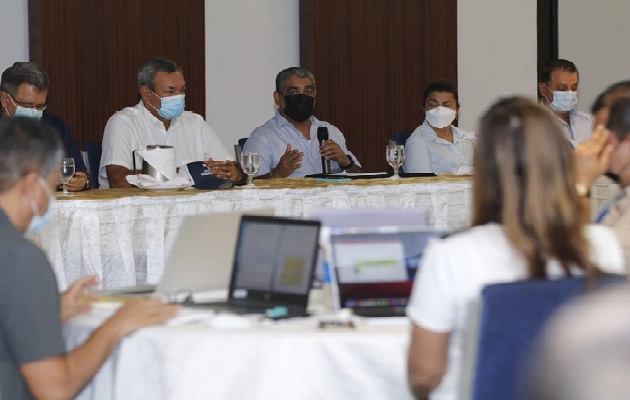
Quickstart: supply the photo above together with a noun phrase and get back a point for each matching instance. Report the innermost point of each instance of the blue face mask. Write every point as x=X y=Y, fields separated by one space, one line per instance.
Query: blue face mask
x=563 y=101
x=40 y=221
x=25 y=111
x=172 y=106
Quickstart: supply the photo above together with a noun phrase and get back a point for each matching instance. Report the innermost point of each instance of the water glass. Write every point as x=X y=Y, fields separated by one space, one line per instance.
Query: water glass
x=395 y=154
x=67 y=172
x=250 y=162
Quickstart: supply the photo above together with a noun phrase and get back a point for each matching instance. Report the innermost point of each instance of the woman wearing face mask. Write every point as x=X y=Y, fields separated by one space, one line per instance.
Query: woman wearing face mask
x=437 y=146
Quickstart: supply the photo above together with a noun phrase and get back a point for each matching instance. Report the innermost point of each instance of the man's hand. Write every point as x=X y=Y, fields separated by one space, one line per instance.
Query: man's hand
x=77 y=300
x=77 y=183
x=592 y=157
x=138 y=313
x=331 y=151
x=229 y=170
x=289 y=162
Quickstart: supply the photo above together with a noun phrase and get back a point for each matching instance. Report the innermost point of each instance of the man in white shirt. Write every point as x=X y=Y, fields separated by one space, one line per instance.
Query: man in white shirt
x=558 y=88
x=159 y=118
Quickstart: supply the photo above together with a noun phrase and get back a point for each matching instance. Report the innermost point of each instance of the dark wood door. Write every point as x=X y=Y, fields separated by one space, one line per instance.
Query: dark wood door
x=92 y=50
x=372 y=60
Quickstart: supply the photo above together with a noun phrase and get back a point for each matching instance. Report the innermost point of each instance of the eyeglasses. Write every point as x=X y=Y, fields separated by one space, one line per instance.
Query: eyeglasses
x=38 y=107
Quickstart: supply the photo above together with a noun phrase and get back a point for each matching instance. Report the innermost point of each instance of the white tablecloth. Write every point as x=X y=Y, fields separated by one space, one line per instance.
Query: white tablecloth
x=124 y=236
x=296 y=361
x=124 y=239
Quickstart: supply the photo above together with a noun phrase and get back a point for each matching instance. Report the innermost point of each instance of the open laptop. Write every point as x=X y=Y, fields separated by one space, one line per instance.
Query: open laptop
x=374 y=269
x=201 y=257
x=273 y=266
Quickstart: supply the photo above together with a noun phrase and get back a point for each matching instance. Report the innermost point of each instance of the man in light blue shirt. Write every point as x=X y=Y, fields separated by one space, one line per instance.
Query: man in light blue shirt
x=287 y=144
x=558 y=86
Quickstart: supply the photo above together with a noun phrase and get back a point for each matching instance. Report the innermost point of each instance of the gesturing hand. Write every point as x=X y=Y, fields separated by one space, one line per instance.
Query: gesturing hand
x=289 y=162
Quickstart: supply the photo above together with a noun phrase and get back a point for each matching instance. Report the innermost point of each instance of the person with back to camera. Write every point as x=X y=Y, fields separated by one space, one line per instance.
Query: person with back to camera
x=528 y=222
x=34 y=362
x=437 y=146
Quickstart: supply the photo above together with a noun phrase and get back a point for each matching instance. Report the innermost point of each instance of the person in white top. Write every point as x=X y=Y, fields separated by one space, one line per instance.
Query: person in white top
x=159 y=118
x=558 y=89
x=529 y=216
x=437 y=146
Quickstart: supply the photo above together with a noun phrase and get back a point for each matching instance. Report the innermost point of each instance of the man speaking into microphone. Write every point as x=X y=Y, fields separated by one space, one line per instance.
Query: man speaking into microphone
x=294 y=143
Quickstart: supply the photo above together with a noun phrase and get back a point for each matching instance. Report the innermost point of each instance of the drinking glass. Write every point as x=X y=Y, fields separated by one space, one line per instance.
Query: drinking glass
x=395 y=154
x=250 y=162
x=67 y=172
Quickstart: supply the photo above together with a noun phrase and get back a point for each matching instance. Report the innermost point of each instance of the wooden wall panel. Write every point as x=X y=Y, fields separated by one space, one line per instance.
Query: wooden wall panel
x=372 y=60
x=92 y=50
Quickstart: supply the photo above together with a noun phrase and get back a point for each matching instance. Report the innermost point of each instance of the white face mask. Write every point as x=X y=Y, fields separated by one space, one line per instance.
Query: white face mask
x=40 y=221
x=440 y=117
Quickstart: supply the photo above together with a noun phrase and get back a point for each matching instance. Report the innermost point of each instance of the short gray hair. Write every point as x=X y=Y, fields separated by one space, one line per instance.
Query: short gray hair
x=27 y=145
x=147 y=72
x=281 y=78
x=23 y=72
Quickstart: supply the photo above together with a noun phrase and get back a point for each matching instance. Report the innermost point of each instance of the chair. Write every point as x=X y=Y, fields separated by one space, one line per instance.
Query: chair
x=401 y=137
x=94 y=151
x=238 y=148
x=503 y=332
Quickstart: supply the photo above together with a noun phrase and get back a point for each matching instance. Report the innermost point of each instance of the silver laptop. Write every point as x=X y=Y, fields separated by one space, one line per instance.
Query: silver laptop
x=201 y=257
x=374 y=269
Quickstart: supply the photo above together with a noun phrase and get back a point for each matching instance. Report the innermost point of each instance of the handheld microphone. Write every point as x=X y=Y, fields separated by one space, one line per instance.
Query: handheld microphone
x=322 y=136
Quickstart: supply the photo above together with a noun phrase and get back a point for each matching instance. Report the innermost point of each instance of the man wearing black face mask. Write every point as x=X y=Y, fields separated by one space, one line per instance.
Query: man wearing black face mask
x=287 y=144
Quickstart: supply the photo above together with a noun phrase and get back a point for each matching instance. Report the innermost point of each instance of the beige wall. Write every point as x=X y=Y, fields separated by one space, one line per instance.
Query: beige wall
x=594 y=35
x=14 y=37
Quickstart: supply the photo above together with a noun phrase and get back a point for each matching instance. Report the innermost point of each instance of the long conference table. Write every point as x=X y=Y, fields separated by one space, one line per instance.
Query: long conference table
x=124 y=235
x=246 y=357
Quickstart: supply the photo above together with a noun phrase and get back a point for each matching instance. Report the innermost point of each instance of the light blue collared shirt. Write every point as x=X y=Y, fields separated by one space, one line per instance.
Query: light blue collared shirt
x=581 y=127
x=270 y=142
x=426 y=152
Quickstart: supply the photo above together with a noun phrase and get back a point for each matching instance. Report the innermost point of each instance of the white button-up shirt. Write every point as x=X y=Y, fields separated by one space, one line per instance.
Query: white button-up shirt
x=135 y=127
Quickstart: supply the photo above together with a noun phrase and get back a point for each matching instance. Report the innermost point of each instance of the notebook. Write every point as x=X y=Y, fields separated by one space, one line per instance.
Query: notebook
x=273 y=265
x=374 y=269
x=201 y=257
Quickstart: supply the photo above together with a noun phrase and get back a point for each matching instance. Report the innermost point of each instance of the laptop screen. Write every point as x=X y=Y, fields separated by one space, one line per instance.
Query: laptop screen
x=377 y=269
x=274 y=259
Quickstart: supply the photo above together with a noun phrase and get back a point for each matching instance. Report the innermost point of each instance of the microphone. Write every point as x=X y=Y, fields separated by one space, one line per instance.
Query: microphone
x=322 y=136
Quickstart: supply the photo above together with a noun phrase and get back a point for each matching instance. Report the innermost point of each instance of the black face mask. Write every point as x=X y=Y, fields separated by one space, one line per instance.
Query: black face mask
x=299 y=107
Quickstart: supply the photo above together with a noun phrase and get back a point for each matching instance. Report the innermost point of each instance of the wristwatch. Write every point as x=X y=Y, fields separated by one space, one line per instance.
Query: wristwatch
x=582 y=190
x=88 y=184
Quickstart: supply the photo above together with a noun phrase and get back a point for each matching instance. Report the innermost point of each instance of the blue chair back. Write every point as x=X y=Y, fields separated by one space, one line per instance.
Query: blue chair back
x=401 y=137
x=512 y=315
x=241 y=142
x=94 y=151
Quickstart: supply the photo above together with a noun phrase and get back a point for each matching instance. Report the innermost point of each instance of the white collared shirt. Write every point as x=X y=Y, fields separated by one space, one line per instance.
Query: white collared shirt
x=135 y=127
x=426 y=152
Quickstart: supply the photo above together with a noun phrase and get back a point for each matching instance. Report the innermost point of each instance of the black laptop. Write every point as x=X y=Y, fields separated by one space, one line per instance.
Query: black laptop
x=374 y=268
x=273 y=268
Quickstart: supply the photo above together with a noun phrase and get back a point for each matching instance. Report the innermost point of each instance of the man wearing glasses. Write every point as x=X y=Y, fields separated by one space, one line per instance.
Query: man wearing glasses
x=23 y=92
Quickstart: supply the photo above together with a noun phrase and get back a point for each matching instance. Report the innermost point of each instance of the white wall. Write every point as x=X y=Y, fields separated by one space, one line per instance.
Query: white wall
x=594 y=35
x=496 y=51
x=247 y=43
x=14 y=37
